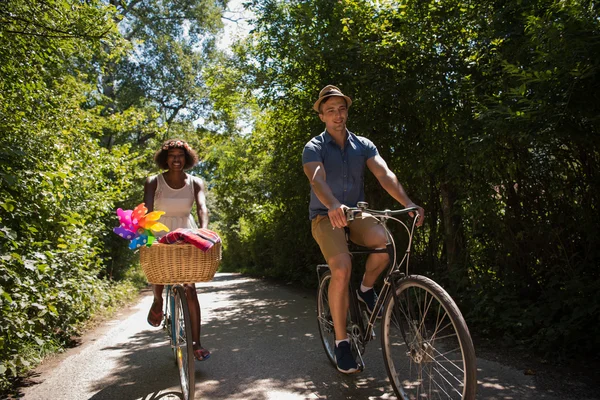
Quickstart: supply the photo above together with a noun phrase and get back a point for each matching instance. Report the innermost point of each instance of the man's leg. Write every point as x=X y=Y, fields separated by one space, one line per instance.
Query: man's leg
x=376 y=263
x=368 y=233
x=335 y=250
x=340 y=267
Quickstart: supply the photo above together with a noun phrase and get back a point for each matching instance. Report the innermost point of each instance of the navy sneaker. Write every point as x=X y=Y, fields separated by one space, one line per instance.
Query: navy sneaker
x=369 y=298
x=344 y=358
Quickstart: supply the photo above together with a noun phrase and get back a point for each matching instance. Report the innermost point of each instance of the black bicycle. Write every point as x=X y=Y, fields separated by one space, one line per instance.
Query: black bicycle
x=427 y=348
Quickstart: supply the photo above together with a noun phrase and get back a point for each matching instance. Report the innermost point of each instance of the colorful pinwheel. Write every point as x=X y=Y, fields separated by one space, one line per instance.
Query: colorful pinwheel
x=138 y=226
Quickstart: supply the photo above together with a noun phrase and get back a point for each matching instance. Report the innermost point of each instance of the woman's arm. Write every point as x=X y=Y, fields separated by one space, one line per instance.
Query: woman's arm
x=149 y=190
x=200 y=202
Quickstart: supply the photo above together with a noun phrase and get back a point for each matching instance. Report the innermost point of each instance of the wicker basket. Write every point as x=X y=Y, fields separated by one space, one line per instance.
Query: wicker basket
x=168 y=264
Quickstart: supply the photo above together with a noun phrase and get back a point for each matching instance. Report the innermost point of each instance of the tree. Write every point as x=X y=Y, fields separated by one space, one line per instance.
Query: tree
x=487 y=112
x=163 y=77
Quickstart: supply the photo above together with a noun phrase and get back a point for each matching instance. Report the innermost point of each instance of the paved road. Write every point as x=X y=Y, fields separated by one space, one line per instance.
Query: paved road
x=265 y=345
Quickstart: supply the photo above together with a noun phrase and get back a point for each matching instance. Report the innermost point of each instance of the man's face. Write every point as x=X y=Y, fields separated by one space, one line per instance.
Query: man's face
x=334 y=113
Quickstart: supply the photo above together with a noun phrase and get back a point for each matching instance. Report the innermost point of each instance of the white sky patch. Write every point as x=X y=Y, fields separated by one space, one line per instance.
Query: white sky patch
x=235 y=23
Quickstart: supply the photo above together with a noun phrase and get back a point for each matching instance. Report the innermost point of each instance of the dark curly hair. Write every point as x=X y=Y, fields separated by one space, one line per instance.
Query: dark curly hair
x=160 y=157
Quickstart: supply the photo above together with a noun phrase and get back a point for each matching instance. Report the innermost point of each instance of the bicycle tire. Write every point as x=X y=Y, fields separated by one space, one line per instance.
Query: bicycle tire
x=427 y=349
x=184 y=347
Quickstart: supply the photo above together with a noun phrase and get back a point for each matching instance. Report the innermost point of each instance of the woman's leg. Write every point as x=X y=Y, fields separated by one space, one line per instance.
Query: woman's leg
x=156 y=310
x=196 y=319
x=194 y=305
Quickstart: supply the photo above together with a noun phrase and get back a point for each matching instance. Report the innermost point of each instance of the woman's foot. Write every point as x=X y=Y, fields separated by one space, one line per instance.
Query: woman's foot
x=200 y=353
x=155 y=315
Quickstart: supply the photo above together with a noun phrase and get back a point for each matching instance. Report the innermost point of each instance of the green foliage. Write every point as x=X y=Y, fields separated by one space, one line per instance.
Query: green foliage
x=87 y=93
x=58 y=185
x=487 y=112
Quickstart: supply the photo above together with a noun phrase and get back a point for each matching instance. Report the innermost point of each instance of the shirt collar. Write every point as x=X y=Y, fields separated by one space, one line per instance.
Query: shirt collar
x=349 y=138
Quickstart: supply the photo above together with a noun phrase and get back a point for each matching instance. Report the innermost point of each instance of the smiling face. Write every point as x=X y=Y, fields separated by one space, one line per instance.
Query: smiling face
x=176 y=159
x=334 y=113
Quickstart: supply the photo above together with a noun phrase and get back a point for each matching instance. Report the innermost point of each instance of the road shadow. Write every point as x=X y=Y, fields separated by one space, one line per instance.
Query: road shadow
x=264 y=341
x=265 y=345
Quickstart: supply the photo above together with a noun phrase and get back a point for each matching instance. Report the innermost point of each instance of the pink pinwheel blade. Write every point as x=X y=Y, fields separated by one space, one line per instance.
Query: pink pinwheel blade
x=125 y=219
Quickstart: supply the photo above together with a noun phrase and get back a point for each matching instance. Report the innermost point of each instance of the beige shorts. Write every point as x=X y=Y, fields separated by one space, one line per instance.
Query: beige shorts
x=333 y=241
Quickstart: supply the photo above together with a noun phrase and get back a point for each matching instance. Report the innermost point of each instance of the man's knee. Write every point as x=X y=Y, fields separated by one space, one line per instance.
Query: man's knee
x=340 y=267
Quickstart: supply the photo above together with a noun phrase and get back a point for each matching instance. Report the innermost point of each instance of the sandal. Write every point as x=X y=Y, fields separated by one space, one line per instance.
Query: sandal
x=155 y=317
x=201 y=354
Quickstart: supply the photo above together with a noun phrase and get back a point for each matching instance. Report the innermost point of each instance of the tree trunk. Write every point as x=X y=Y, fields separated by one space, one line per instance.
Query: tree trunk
x=453 y=233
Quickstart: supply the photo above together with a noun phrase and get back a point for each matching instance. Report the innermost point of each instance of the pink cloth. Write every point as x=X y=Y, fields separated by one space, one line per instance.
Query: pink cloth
x=203 y=239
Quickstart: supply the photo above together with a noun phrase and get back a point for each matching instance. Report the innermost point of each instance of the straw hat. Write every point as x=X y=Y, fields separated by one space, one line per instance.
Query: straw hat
x=329 y=91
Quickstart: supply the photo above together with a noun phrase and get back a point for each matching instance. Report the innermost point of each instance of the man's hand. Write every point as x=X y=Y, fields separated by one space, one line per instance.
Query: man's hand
x=420 y=213
x=337 y=215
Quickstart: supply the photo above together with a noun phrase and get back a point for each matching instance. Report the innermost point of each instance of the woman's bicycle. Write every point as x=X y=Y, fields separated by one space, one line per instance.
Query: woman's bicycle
x=172 y=265
x=427 y=348
x=178 y=326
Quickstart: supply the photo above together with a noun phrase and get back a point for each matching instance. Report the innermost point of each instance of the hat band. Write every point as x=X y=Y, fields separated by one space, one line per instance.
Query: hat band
x=332 y=92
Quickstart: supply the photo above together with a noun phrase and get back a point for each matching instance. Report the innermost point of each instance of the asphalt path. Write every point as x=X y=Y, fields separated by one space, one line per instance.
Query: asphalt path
x=264 y=343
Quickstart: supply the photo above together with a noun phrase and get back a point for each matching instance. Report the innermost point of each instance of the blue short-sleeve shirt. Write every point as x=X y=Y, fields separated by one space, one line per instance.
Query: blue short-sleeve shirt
x=344 y=169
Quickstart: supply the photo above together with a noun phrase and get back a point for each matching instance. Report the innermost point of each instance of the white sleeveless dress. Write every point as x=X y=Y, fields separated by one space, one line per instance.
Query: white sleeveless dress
x=176 y=203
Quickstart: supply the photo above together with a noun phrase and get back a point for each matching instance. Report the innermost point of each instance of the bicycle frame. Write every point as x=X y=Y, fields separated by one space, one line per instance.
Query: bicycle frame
x=393 y=270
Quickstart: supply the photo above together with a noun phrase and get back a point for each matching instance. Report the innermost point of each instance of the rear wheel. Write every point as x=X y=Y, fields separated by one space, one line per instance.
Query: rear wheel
x=427 y=348
x=184 y=348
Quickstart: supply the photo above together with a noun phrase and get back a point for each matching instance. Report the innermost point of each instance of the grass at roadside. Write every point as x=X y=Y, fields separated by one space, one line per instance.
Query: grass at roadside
x=109 y=299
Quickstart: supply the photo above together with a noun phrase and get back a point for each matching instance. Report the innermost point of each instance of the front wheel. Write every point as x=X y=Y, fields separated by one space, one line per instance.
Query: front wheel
x=183 y=344
x=427 y=348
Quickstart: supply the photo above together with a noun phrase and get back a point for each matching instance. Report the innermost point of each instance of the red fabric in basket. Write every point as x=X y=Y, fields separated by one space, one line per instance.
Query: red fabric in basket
x=203 y=239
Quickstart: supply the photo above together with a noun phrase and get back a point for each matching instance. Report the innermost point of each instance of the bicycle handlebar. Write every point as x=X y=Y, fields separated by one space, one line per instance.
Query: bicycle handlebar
x=351 y=212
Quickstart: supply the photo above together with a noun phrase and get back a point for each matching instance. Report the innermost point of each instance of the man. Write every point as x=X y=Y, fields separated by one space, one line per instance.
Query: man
x=334 y=163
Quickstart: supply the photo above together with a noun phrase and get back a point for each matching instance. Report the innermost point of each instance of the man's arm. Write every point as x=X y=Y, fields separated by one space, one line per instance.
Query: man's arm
x=315 y=172
x=390 y=183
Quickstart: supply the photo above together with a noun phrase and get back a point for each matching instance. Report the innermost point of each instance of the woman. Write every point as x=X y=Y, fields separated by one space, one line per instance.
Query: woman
x=174 y=192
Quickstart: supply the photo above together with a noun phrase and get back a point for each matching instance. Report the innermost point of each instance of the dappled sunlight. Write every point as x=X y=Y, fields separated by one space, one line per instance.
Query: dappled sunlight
x=265 y=345
x=499 y=382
